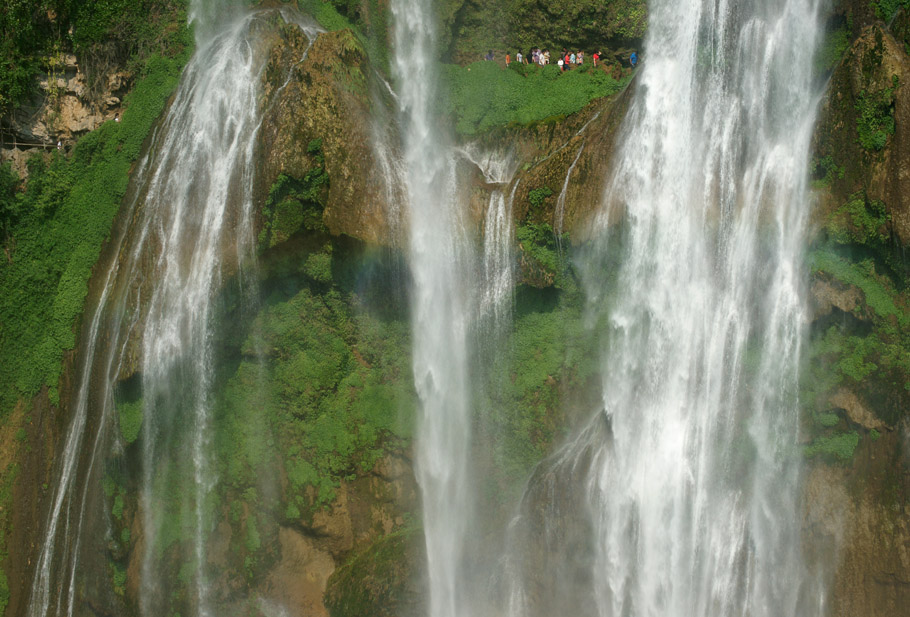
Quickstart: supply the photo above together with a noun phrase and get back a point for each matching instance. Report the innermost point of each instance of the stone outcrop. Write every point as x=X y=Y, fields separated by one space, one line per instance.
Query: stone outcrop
x=857 y=527
x=873 y=75
x=330 y=96
x=66 y=106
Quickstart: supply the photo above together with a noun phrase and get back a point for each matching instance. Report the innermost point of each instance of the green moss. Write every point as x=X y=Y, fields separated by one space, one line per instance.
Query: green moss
x=825 y=171
x=118 y=579
x=859 y=221
x=377 y=581
x=827 y=420
x=485 y=95
x=548 y=354
x=130 y=415
x=875 y=117
x=332 y=391
x=65 y=215
x=327 y=13
x=296 y=204
x=887 y=9
x=874 y=435
x=878 y=293
x=838 y=447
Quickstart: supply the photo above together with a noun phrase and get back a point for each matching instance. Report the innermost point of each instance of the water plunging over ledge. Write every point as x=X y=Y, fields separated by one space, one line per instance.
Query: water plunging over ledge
x=191 y=227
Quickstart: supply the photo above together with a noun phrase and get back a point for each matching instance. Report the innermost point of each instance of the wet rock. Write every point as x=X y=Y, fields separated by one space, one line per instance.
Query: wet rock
x=873 y=74
x=327 y=98
x=857 y=411
x=828 y=294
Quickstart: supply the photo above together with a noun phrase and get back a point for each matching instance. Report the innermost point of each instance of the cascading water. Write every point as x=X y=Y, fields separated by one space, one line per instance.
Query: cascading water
x=690 y=473
x=189 y=228
x=440 y=300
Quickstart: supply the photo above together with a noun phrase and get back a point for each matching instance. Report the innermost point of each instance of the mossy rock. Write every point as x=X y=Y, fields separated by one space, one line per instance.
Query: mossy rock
x=380 y=581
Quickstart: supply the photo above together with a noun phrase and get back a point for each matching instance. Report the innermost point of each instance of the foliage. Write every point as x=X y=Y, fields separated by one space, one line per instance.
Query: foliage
x=871 y=356
x=294 y=204
x=838 y=447
x=835 y=43
x=375 y=581
x=539 y=242
x=335 y=389
x=32 y=32
x=825 y=171
x=331 y=15
x=484 y=95
x=875 y=117
x=538 y=196
x=64 y=216
x=878 y=292
x=887 y=9
x=583 y=23
x=859 y=221
x=130 y=418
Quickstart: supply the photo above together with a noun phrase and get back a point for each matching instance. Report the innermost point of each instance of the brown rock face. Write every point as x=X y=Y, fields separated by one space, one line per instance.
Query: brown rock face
x=327 y=98
x=857 y=525
x=868 y=72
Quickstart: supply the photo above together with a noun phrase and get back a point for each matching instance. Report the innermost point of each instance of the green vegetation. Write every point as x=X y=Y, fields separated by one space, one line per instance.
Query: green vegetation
x=838 y=447
x=34 y=34
x=377 y=581
x=826 y=171
x=887 y=9
x=833 y=47
x=875 y=117
x=332 y=391
x=860 y=221
x=584 y=23
x=57 y=226
x=484 y=95
x=294 y=204
x=130 y=419
x=870 y=354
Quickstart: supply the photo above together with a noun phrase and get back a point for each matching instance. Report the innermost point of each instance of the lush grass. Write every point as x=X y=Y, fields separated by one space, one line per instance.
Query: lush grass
x=60 y=222
x=484 y=95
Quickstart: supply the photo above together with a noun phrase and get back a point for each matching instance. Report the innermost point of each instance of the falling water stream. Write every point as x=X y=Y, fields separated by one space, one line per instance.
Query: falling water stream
x=689 y=474
x=441 y=297
x=680 y=496
x=189 y=227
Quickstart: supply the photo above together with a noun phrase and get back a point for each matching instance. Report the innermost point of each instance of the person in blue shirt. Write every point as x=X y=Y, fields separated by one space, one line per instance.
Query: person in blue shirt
x=633 y=59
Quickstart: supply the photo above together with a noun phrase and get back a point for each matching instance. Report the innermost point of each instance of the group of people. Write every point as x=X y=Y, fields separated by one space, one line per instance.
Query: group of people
x=566 y=61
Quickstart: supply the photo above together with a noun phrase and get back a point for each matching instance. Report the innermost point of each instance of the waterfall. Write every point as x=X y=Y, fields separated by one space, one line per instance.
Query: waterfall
x=188 y=227
x=440 y=307
x=688 y=478
x=696 y=496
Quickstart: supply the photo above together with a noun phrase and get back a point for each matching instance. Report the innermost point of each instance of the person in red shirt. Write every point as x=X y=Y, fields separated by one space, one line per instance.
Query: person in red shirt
x=596 y=57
